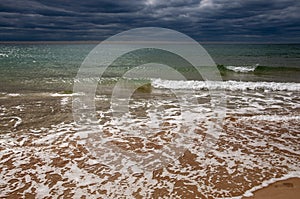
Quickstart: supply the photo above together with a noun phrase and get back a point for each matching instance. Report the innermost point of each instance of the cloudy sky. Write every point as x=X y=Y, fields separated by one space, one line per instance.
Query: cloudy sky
x=203 y=20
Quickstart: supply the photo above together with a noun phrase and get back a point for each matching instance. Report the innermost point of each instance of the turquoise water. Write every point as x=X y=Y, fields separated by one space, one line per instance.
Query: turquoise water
x=38 y=67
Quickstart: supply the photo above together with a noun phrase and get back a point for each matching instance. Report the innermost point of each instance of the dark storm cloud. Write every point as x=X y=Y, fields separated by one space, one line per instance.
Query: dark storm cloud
x=205 y=20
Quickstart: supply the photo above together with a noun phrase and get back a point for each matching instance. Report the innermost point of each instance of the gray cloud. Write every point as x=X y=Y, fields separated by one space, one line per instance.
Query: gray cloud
x=205 y=20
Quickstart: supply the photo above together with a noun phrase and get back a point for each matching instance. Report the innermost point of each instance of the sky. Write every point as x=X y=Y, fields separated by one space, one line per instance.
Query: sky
x=203 y=20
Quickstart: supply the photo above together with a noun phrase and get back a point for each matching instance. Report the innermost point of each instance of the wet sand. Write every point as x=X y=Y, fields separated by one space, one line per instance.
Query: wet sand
x=285 y=189
x=41 y=156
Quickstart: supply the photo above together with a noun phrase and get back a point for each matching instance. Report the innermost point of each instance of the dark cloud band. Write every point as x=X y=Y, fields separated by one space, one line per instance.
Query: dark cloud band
x=205 y=20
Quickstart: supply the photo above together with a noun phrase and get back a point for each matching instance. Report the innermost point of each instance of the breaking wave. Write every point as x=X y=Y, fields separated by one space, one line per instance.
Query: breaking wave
x=254 y=68
x=226 y=85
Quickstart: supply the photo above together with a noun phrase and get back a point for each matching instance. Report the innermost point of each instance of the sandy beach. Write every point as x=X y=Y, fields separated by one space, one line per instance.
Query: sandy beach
x=285 y=189
x=44 y=154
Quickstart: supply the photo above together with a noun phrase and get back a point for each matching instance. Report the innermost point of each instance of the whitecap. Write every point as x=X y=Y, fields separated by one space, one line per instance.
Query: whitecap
x=226 y=85
x=242 y=69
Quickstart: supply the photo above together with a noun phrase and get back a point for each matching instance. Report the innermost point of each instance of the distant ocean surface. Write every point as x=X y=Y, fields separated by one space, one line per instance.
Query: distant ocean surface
x=174 y=141
x=51 y=67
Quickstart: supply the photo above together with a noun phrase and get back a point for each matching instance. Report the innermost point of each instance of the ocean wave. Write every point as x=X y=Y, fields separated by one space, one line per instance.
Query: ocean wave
x=254 y=68
x=242 y=69
x=224 y=85
x=3 y=55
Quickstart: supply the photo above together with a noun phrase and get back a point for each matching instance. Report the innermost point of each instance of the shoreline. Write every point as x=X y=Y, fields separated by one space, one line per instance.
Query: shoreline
x=283 y=188
x=99 y=41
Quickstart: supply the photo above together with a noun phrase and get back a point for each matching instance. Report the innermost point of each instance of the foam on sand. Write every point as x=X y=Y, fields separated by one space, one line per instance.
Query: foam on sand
x=259 y=144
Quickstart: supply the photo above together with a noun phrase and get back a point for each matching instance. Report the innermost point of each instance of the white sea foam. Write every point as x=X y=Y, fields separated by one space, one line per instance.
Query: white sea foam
x=3 y=55
x=226 y=85
x=18 y=121
x=13 y=94
x=63 y=95
x=64 y=101
x=19 y=107
x=242 y=69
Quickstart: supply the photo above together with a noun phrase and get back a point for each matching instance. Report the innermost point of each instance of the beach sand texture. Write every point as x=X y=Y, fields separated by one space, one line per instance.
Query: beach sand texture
x=286 y=189
x=41 y=156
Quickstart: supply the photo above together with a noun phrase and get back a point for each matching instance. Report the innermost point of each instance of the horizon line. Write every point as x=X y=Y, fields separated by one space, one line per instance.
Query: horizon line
x=116 y=42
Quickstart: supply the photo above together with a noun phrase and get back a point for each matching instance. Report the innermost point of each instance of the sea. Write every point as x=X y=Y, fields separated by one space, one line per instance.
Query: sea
x=150 y=137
